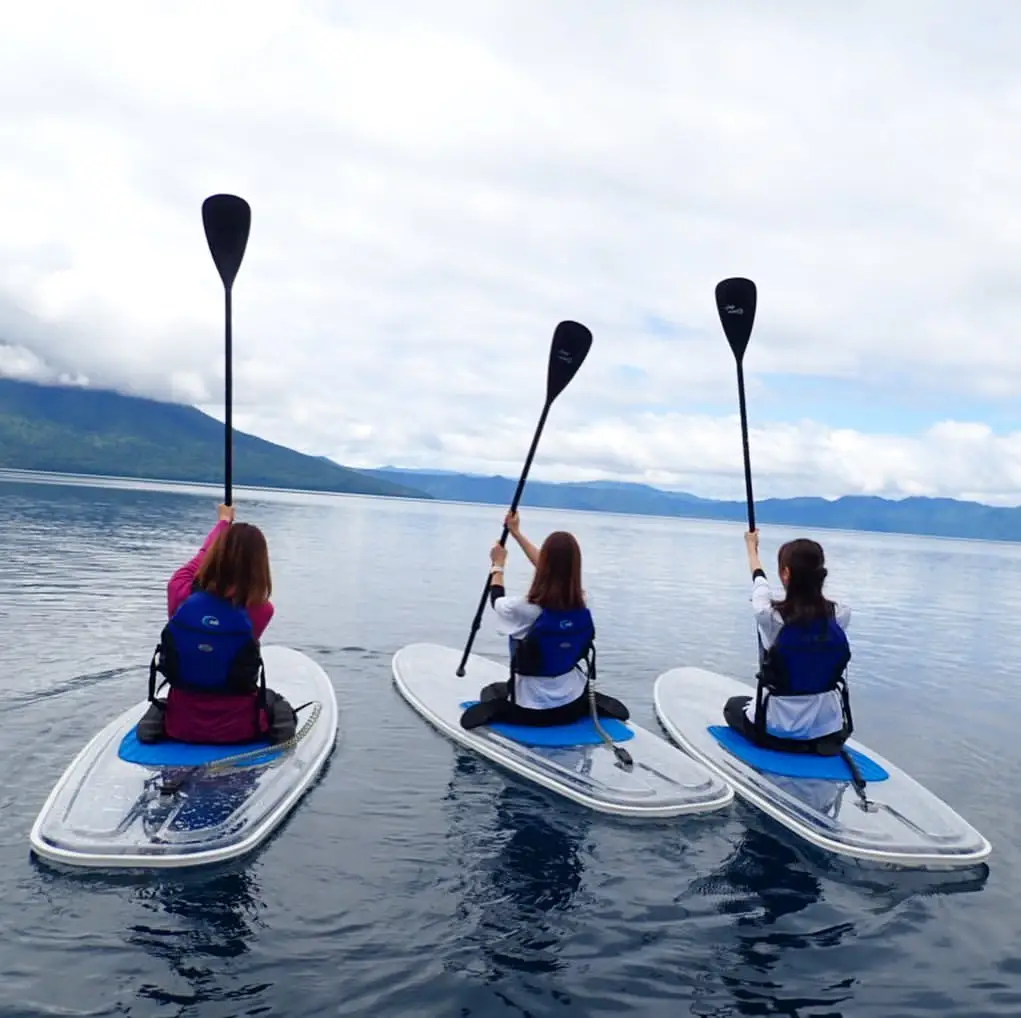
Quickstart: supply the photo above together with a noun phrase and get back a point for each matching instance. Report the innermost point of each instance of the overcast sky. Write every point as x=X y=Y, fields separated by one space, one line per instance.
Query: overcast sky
x=435 y=185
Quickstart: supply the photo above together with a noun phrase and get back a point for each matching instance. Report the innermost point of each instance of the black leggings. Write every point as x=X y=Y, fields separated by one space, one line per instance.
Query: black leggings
x=495 y=705
x=735 y=716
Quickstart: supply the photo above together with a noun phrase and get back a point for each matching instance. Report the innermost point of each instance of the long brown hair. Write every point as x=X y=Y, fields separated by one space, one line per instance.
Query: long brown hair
x=236 y=567
x=803 y=599
x=557 y=581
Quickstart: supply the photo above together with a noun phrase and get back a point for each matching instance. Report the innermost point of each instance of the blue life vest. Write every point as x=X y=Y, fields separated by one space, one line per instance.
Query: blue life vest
x=209 y=646
x=806 y=658
x=554 y=644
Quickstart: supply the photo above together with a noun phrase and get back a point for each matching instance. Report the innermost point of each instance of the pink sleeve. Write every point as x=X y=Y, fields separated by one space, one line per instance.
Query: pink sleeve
x=180 y=583
x=260 y=614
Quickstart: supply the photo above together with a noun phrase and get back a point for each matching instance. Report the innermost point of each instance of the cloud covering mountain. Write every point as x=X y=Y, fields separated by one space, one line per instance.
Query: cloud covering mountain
x=434 y=187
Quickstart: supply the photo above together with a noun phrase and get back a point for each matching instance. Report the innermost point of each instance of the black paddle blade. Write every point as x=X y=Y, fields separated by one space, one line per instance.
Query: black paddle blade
x=570 y=347
x=735 y=301
x=227 y=220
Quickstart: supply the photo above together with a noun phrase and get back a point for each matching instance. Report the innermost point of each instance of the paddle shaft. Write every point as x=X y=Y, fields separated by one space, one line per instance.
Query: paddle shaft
x=228 y=374
x=477 y=621
x=746 y=452
x=744 y=446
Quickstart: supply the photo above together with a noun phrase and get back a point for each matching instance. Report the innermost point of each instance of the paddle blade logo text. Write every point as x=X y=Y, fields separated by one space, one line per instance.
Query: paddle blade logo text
x=733 y=309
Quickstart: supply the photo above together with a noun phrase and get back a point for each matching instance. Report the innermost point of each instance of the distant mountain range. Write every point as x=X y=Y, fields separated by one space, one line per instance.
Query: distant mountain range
x=69 y=429
x=937 y=517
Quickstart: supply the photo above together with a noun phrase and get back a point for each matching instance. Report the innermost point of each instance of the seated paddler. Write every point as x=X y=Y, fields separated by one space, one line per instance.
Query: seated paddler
x=218 y=607
x=801 y=702
x=552 y=641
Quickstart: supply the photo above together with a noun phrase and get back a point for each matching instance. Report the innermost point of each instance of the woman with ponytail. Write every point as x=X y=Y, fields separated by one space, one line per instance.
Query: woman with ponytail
x=801 y=704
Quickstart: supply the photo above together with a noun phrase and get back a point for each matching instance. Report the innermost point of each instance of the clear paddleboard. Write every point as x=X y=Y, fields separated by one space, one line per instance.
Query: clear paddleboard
x=572 y=760
x=898 y=821
x=121 y=803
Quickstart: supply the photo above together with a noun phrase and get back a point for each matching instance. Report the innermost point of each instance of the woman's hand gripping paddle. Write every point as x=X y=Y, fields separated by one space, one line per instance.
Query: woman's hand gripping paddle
x=227 y=220
x=571 y=343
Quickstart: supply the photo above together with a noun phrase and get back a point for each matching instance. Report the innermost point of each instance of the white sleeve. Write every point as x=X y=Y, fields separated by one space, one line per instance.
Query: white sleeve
x=842 y=613
x=766 y=617
x=514 y=615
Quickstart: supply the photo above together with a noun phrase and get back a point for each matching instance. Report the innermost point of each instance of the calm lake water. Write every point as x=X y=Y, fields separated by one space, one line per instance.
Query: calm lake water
x=417 y=879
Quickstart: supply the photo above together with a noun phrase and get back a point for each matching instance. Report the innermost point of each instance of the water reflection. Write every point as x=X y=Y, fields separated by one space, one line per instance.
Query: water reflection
x=519 y=855
x=539 y=868
x=180 y=938
x=198 y=921
x=772 y=876
x=766 y=883
x=774 y=846
x=765 y=869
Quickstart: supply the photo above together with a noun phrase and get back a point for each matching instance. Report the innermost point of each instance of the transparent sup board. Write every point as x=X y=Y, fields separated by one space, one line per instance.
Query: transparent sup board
x=179 y=808
x=663 y=782
x=905 y=825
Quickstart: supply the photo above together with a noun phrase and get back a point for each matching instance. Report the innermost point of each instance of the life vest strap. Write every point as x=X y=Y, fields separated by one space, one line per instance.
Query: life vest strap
x=763 y=694
x=588 y=671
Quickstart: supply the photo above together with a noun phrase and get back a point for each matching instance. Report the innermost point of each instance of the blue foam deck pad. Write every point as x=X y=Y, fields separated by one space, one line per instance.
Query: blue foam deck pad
x=578 y=733
x=189 y=754
x=796 y=765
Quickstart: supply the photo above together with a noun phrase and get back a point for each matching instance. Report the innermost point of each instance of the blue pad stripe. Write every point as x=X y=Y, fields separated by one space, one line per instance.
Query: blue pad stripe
x=578 y=733
x=795 y=765
x=189 y=754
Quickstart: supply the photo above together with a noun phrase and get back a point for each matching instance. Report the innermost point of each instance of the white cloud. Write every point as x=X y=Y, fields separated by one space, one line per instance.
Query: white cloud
x=17 y=362
x=434 y=187
x=948 y=459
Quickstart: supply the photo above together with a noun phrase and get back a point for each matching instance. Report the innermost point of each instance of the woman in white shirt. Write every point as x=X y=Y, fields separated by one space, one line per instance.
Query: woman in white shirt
x=551 y=635
x=801 y=703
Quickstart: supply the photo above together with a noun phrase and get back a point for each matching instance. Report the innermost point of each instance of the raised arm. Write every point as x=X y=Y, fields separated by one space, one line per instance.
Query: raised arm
x=181 y=582
x=751 y=543
x=497 y=560
x=514 y=526
x=514 y=614
x=762 y=598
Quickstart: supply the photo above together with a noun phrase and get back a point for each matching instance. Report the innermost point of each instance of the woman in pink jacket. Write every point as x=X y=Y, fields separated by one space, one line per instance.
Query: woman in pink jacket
x=218 y=607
